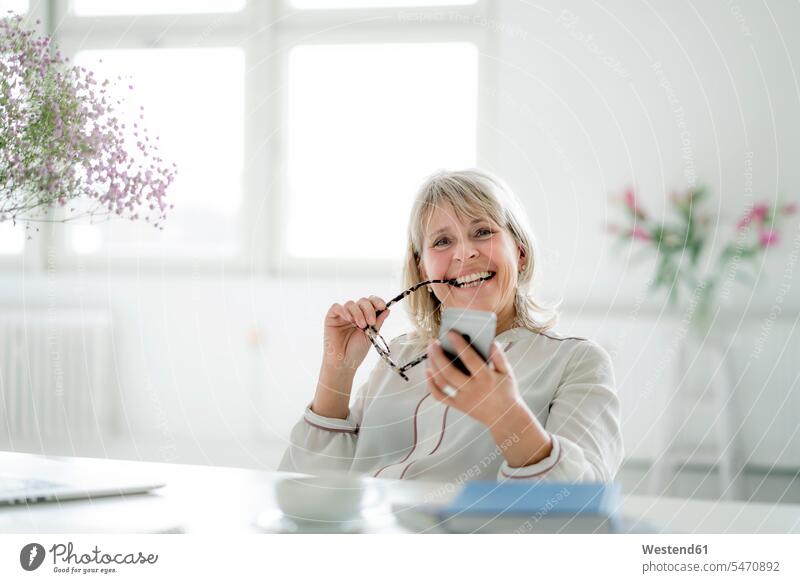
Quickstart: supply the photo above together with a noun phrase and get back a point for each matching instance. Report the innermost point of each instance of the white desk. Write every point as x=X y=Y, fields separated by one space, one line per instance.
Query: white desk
x=215 y=500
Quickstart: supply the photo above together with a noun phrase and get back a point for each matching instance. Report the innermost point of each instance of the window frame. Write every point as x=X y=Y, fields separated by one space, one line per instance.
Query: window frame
x=427 y=30
x=266 y=31
x=69 y=259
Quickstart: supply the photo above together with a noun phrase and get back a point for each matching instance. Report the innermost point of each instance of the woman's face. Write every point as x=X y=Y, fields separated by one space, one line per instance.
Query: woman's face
x=452 y=249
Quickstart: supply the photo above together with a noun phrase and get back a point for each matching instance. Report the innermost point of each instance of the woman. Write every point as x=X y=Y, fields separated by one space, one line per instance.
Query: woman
x=544 y=407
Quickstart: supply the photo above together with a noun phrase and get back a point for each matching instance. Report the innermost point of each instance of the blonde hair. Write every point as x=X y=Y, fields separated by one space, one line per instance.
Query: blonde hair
x=473 y=194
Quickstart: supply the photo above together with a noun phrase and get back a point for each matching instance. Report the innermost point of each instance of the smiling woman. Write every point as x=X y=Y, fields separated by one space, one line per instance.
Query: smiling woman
x=547 y=409
x=469 y=222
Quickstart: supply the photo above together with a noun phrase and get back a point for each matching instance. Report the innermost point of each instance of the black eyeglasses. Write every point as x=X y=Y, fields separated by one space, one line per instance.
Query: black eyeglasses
x=380 y=344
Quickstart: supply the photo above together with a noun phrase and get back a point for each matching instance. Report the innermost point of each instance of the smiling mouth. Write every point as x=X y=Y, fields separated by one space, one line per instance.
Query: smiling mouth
x=473 y=283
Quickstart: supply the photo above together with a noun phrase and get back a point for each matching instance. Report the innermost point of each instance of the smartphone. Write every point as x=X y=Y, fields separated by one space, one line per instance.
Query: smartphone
x=477 y=327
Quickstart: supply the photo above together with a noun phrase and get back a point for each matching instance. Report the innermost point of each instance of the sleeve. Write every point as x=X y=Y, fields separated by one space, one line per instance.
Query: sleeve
x=584 y=423
x=320 y=444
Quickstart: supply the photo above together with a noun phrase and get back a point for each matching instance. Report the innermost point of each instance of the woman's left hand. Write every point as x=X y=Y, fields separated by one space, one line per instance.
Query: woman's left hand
x=486 y=394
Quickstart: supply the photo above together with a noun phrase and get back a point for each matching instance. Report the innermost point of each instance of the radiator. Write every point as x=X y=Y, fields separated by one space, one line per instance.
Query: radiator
x=56 y=377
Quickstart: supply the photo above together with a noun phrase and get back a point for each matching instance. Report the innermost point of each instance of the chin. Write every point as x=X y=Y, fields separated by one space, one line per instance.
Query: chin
x=478 y=303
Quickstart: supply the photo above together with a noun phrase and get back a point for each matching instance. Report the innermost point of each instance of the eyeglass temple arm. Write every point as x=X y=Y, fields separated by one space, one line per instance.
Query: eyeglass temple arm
x=413 y=363
x=412 y=289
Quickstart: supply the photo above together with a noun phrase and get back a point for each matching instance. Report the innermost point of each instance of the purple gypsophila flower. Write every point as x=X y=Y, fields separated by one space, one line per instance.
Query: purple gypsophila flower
x=62 y=141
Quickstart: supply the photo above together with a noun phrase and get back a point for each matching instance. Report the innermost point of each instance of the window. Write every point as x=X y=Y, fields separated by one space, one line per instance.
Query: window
x=186 y=64
x=300 y=131
x=198 y=116
x=12 y=237
x=366 y=123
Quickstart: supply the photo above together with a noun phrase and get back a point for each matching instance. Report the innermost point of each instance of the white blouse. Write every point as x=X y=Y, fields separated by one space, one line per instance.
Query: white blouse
x=396 y=429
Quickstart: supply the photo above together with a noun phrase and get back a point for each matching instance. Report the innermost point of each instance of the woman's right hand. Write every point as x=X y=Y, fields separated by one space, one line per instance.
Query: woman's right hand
x=346 y=344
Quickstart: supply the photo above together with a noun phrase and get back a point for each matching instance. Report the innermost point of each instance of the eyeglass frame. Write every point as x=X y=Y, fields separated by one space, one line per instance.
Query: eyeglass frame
x=373 y=334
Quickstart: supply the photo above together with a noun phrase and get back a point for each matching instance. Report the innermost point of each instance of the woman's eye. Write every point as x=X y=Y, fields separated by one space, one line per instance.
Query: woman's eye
x=478 y=232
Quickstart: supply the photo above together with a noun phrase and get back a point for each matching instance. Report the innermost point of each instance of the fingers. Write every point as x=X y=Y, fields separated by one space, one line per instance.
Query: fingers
x=342 y=312
x=378 y=303
x=434 y=388
x=355 y=315
x=382 y=317
x=367 y=310
x=362 y=312
x=468 y=355
x=443 y=370
x=498 y=358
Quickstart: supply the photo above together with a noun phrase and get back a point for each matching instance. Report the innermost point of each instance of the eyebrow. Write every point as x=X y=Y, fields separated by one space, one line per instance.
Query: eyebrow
x=445 y=229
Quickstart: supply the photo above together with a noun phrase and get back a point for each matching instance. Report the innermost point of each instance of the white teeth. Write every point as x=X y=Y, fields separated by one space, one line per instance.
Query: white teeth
x=472 y=277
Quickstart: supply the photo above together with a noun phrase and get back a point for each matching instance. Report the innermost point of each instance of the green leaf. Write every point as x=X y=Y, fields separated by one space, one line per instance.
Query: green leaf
x=699 y=194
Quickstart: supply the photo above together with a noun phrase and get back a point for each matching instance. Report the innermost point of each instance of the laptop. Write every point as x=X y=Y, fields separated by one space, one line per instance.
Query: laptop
x=55 y=479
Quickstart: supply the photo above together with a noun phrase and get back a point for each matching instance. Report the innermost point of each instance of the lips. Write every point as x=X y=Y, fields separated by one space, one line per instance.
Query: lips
x=474 y=278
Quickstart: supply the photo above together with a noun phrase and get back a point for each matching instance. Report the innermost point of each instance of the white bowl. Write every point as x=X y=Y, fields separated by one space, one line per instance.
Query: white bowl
x=321 y=498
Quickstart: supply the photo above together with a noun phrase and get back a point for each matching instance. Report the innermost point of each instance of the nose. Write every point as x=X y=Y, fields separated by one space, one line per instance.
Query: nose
x=466 y=250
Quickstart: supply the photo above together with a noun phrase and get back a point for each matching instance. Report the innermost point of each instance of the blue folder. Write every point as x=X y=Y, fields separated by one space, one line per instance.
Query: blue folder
x=501 y=504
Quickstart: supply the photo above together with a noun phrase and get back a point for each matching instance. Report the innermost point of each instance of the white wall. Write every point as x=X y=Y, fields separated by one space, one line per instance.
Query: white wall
x=567 y=131
x=572 y=130
x=592 y=97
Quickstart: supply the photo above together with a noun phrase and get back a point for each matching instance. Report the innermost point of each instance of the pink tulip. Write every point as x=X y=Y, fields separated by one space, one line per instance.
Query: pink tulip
x=630 y=198
x=768 y=237
x=758 y=212
x=632 y=203
x=790 y=208
x=640 y=234
x=744 y=221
